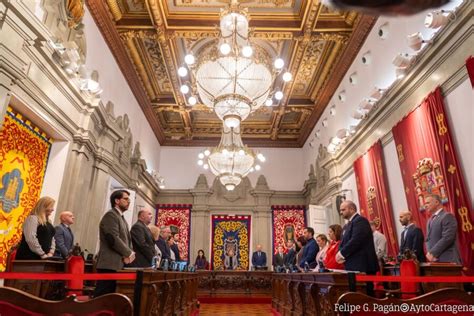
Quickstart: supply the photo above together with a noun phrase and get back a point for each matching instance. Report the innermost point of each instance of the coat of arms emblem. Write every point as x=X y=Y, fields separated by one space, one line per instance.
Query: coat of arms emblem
x=428 y=180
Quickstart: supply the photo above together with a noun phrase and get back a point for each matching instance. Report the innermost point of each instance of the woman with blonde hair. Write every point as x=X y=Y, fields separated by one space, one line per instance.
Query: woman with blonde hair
x=155 y=232
x=37 y=241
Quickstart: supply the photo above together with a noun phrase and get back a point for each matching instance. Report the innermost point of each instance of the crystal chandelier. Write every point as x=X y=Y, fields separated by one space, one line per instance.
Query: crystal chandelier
x=231 y=75
x=231 y=160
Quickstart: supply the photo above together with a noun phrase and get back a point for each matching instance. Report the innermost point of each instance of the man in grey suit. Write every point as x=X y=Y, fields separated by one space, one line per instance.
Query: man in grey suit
x=64 y=237
x=115 y=242
x=142 y=240
x=441 y=233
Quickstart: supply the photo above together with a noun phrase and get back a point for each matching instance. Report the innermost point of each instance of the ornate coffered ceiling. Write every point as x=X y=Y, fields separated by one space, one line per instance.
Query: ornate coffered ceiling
x=149 y=39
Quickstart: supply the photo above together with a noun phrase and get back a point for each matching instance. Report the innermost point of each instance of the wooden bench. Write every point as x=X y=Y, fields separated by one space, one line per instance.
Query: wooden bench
x=14 y=302
x=355 y=303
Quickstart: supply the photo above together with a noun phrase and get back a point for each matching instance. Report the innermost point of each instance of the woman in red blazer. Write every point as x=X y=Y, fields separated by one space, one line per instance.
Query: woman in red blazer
x=335 y=234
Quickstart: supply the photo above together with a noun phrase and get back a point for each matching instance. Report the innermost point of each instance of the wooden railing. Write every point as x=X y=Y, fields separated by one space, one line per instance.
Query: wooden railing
x=308 y=293
x=161 y=293
x=238 y=283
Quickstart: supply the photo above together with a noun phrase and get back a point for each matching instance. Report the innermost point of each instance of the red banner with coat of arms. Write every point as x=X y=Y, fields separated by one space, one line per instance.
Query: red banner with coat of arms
x=24 y=153
x=375 y=204
x=429 y=165
x=178 y=217
x=288 y=223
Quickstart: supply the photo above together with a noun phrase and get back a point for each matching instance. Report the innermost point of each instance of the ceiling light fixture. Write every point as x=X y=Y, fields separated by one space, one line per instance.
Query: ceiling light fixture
x=403 y=60
x=231 y=160
x=232 y=74
x=416 y=41
x=437 y=19
x=377 y=93
x=325 y=122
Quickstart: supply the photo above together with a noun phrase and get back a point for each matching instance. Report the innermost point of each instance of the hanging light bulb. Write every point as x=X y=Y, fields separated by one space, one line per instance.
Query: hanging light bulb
x=278 y=95
x=225 y=48
x=189 y=59
x=287 y=76
x=182 y=71
x=247 y=51
x=184 y=89
x=279 y=63
x=192 y=100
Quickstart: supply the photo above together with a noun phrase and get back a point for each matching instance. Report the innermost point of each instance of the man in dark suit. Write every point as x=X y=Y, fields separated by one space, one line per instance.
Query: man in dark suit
x=175 y=248
x=279 y=258
x=115 y=242
x=162 y=243
x=310 y=250
x=441 y=235
x=357 y=250
x=290 y=257
x=412 y=236
x=259 y=258
x=64 y=237
x=142 y=240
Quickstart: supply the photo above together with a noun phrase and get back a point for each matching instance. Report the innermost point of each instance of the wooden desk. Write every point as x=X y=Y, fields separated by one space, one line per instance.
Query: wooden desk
x=235 y=283
x=47 y=289
x=162 y=293
x=429 y=269
x=309 y=293
x=440 y=269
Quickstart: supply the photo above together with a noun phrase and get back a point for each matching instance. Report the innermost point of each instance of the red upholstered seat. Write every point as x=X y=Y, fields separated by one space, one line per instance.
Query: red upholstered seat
x=13 y=310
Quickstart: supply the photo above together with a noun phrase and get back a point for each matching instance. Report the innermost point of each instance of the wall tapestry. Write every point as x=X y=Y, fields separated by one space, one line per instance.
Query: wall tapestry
x=178 y=217
x=230 y=242
x=24 y=153
x=288 y=222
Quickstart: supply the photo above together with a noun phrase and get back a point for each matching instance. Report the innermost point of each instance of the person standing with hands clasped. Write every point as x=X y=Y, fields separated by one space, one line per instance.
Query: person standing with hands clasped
x=115 y=242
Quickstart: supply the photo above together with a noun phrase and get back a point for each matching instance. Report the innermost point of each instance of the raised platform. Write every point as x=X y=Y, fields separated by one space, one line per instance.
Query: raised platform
x=255 y=284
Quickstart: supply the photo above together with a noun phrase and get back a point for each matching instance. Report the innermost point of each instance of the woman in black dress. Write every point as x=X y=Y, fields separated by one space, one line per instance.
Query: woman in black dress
x=37 y=241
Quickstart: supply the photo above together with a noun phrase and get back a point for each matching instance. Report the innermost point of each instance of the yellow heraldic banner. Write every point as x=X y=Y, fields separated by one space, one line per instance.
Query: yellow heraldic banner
x=24 y=153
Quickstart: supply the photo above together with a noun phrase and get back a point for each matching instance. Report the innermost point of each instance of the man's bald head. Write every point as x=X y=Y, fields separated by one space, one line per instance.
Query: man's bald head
x=145 y=216
x=66 y=217
x=405 y=217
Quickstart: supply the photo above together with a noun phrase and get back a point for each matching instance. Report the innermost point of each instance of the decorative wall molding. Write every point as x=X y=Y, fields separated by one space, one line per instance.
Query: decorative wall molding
x=43 y=74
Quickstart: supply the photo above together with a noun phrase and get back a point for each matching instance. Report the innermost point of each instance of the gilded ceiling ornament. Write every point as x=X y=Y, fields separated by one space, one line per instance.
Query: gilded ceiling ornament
x=75 y=12
x=158 y=64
